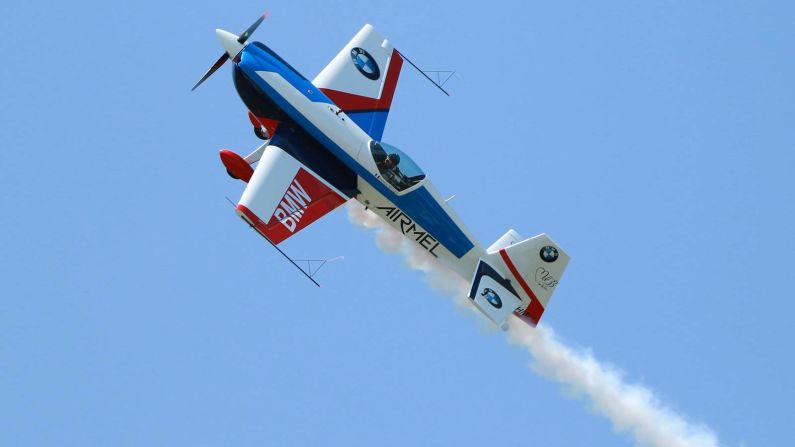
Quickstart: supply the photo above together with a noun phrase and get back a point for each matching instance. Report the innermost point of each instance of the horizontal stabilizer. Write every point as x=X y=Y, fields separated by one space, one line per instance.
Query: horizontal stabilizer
x=362 y=78
x=492 y=294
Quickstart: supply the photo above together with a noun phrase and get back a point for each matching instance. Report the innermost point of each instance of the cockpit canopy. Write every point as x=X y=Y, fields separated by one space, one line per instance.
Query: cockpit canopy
x=396 y=168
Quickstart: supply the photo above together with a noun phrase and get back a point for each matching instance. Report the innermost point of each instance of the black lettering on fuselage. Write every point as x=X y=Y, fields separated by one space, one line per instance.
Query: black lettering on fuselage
x=410 y=229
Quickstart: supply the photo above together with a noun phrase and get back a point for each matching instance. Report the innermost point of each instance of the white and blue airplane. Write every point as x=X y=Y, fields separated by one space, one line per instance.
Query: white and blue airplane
x=323 y=147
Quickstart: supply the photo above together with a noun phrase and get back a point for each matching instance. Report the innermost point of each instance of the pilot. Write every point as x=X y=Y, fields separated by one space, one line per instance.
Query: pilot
x=388 y=166
x=392 y=173
x=379 y=154
x=391 y=161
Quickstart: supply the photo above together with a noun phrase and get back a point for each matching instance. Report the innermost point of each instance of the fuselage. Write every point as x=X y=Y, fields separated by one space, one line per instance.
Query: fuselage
x=320 y=135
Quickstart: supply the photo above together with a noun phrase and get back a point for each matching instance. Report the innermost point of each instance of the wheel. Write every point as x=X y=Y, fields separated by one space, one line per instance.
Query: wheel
x=261 y=133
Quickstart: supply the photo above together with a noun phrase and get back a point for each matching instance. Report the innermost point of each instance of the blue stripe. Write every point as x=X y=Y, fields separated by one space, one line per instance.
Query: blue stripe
x=262 y=58
x=418 y=204
x=371 y=121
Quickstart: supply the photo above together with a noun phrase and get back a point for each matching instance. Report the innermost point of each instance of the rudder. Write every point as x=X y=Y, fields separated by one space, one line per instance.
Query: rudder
x=535 y=265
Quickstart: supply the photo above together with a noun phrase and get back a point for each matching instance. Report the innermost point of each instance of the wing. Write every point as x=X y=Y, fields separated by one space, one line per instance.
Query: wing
x=283 y=196
x=362 y=79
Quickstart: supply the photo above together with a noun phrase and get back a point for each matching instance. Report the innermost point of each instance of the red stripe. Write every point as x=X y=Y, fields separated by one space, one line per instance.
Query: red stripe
x=350 y=102
x=390 y=84
x=322 y=200
x=534 y=309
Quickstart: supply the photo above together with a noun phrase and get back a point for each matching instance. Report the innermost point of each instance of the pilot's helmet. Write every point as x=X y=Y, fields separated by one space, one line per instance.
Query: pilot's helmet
x=394 y=159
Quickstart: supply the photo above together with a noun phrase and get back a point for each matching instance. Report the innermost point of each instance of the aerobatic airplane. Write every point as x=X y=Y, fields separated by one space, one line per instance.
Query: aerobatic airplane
x=323 y=147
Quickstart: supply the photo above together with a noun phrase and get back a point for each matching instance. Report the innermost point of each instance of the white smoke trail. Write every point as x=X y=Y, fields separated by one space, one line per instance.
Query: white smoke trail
x=439 y=277
x=631 y=408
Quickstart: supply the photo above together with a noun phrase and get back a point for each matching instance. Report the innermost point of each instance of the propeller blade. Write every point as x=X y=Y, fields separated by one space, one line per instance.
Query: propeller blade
x=247 y=33
x=224 y=36
x=212 y=70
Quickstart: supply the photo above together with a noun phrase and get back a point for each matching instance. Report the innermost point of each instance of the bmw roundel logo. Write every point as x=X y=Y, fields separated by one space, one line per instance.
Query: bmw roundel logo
x=365 y=63
x=492 y=297
x=549 y=253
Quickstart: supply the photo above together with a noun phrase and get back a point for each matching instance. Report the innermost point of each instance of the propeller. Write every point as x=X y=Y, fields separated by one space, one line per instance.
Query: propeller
x=232 y=44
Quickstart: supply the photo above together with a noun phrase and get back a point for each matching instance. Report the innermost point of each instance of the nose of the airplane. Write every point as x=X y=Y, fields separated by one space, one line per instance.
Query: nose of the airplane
x=230 y=42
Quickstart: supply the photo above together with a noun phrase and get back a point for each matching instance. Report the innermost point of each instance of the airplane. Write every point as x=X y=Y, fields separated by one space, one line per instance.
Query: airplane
x=323 y=148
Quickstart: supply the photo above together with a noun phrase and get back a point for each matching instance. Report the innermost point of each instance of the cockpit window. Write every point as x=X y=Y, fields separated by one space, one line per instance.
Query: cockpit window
x=395 y=167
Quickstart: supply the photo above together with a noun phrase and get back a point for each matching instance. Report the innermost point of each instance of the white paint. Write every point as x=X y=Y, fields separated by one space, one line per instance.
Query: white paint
x=631 y=408
x=273 y=183
x=342 y=75
x=509 y=302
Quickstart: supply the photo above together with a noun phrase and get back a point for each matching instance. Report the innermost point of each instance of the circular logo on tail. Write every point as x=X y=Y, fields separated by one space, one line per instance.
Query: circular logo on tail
x=492 y=297
x=549 y=253
x=365 y=63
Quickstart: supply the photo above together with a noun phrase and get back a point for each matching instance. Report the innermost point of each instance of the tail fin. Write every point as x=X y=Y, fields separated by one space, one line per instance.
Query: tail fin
x=529 y=269
x=362 y=79
x=537 y=264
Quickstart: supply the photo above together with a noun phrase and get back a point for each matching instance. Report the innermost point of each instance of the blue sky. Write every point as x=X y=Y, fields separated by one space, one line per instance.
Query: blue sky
x=653 y=140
